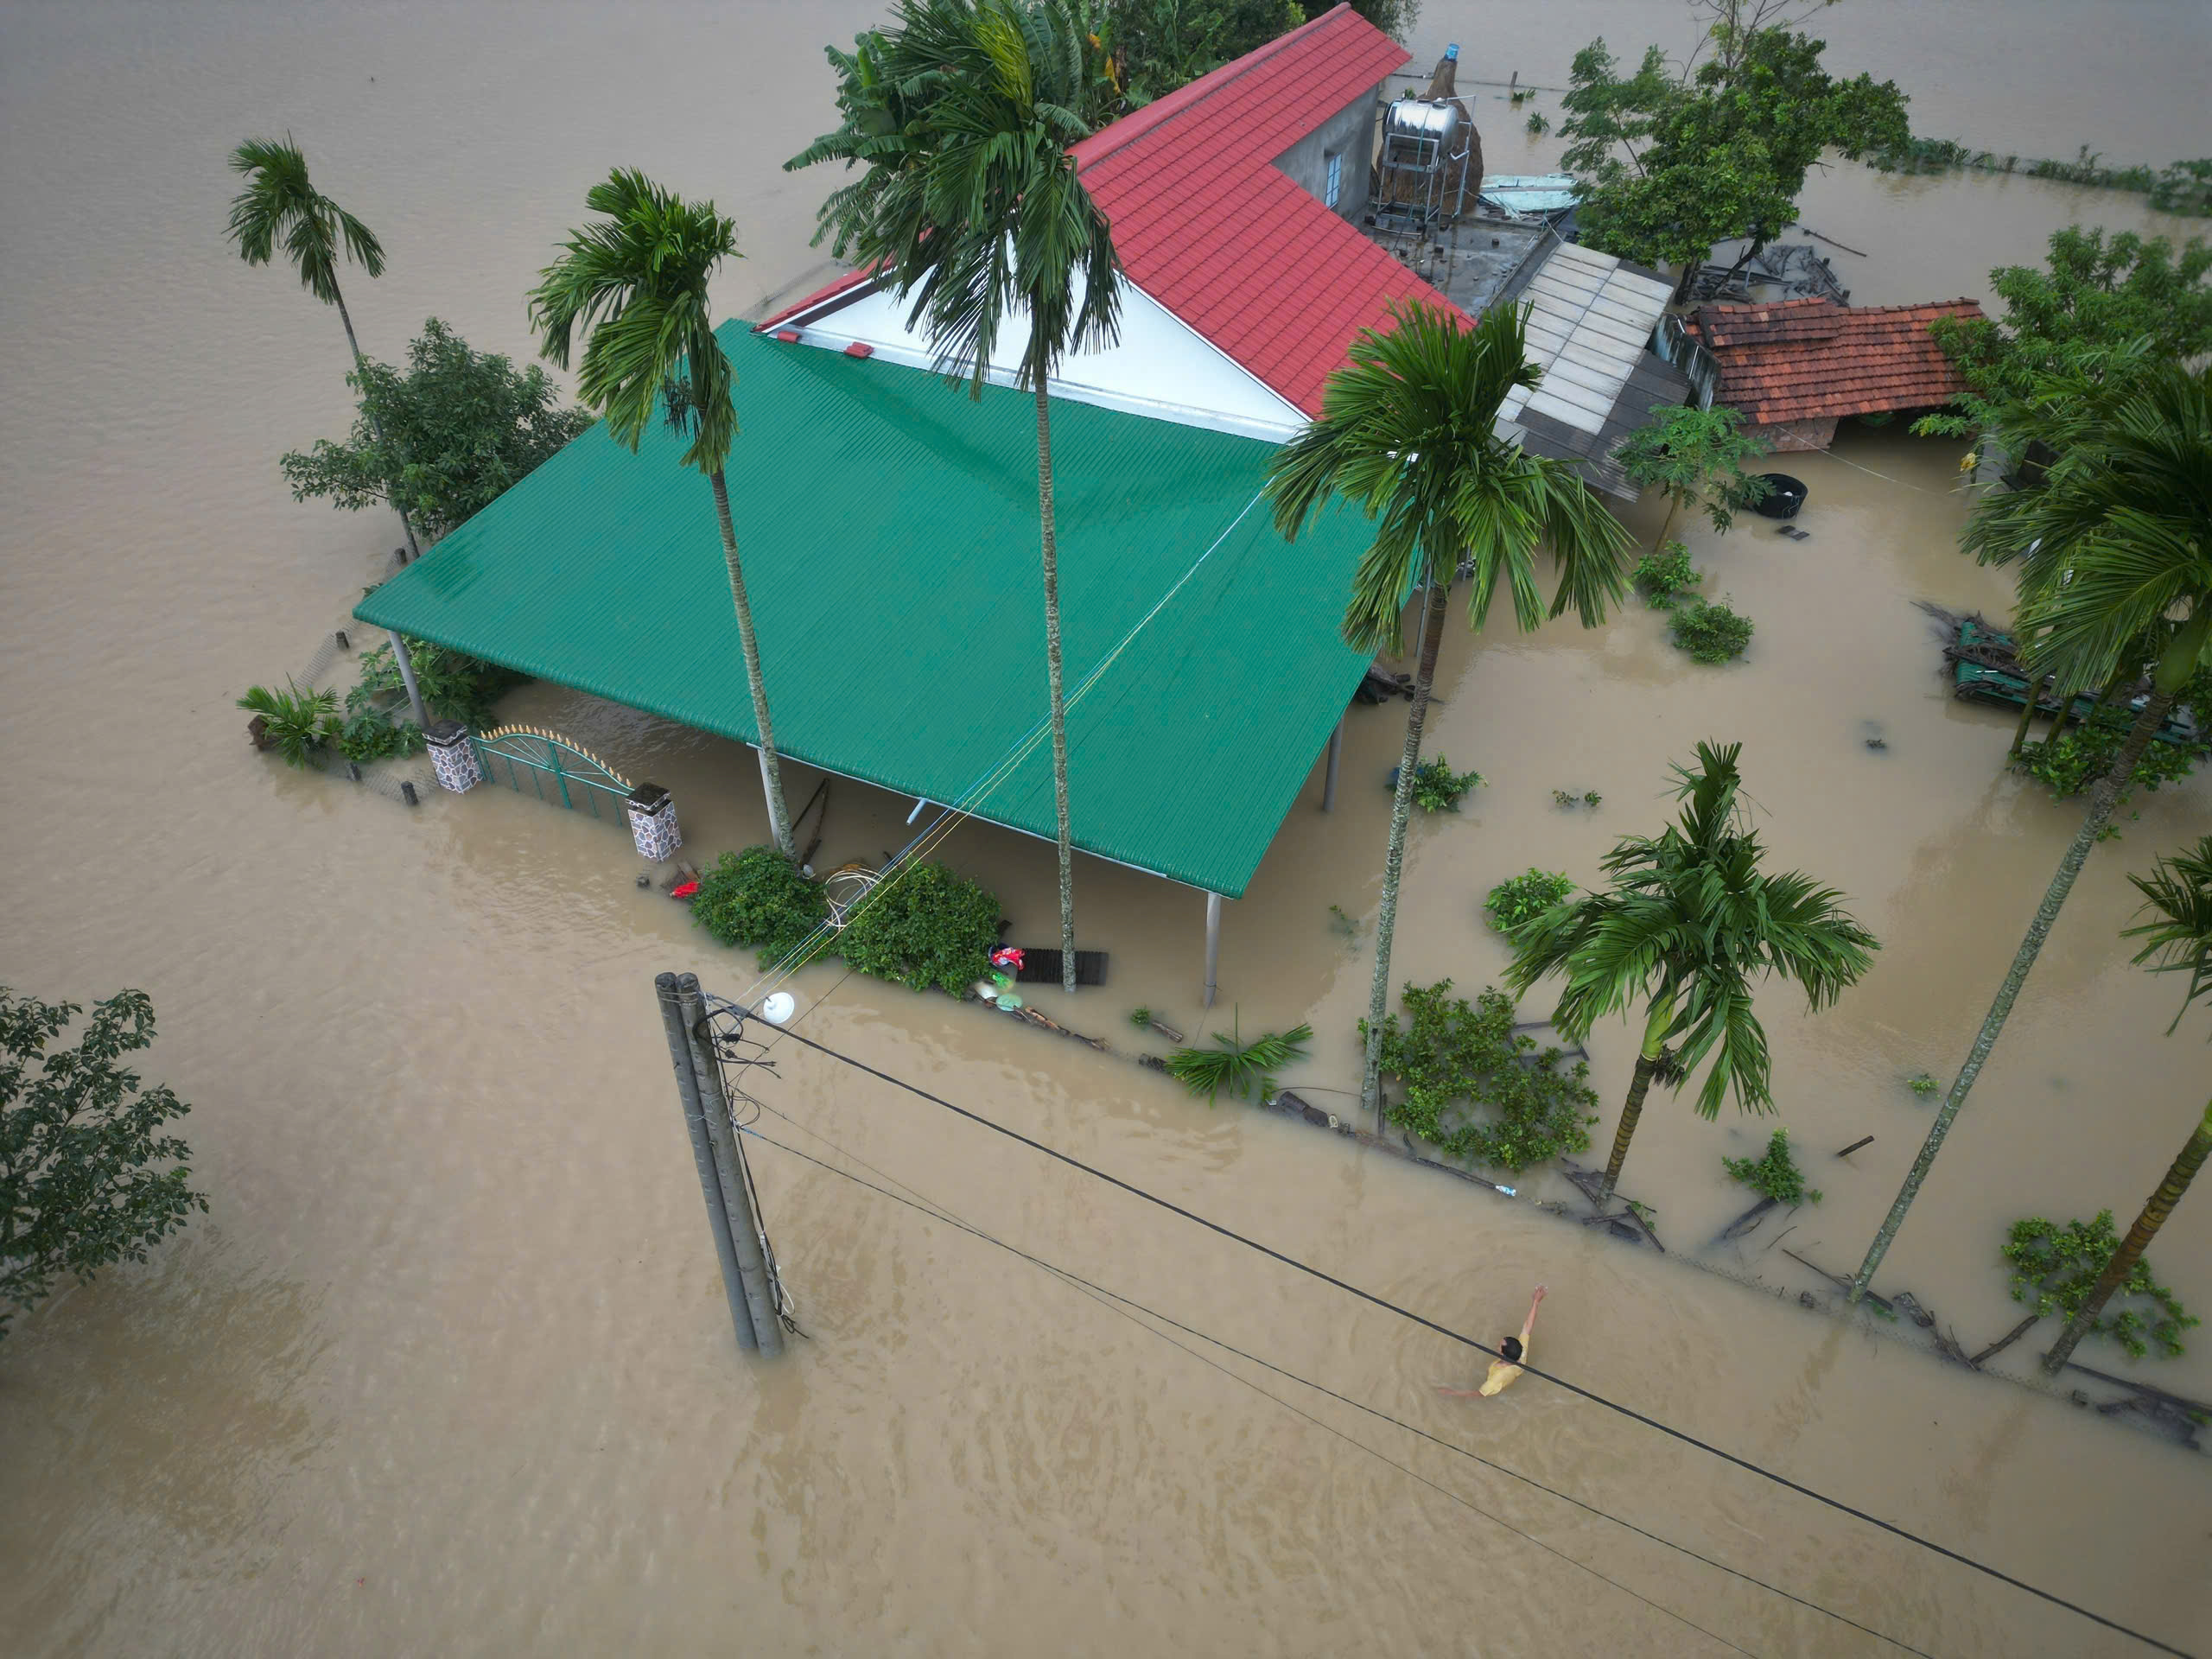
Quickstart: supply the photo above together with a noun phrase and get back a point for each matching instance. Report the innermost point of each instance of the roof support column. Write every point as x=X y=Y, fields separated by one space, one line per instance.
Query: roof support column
x=1213 y=943
x=407 y=677
x=1336 y=755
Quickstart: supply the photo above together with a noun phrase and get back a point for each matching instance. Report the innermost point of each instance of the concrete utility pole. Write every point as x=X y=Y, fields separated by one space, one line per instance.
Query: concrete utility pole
x=702 y=1154
x=729 y=1162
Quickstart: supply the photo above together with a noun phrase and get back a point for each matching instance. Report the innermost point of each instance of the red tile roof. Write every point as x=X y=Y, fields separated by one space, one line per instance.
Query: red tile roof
x=1205 y=223
x=1807 y=359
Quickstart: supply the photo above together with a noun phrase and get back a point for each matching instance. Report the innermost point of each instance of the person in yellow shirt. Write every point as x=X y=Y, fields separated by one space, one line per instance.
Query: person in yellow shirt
x=1507 y=1366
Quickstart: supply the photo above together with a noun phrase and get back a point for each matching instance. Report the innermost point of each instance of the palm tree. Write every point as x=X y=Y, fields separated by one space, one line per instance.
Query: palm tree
x=2178 y=894
x=2115 y=549
x=1688 y=922
x=962 y=116
x=636 y=284
x=1408 y=434
x=280 y=203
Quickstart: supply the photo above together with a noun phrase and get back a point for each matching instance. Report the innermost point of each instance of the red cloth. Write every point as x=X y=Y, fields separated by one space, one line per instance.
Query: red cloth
x=684 y=891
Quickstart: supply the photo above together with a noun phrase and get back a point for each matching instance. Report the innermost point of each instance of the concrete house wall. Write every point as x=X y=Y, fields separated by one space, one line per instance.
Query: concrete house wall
x=1349 y=133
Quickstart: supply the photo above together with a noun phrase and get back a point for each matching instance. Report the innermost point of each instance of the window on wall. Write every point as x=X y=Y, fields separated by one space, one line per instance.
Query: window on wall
x=1336 y=177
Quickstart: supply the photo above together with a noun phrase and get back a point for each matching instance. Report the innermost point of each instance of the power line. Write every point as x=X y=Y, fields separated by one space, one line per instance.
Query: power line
x=1109 y=1298
x=1406 y=1313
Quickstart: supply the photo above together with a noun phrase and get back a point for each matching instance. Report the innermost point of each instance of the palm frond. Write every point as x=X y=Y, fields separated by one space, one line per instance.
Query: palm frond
x=281 y=205
x=2177 y=893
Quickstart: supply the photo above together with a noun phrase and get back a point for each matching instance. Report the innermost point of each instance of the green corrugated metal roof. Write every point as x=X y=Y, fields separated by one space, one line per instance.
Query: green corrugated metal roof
x=889 y=526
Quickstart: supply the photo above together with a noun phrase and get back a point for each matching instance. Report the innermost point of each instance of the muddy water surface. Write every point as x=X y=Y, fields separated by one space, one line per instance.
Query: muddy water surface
x=443 y=1369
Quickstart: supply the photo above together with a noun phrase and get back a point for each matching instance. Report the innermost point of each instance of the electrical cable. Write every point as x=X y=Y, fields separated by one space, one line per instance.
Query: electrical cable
x=1406 y=1313
x=1101 y=1293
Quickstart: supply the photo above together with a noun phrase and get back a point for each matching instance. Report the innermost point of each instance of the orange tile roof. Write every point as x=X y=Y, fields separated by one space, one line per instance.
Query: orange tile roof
x=1807 y=359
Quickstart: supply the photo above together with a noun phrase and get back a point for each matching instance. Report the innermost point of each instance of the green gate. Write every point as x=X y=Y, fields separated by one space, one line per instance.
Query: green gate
x=557 y=770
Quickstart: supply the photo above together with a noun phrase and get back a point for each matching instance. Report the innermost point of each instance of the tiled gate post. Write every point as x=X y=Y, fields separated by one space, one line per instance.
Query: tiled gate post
x=653 y=822
x=451 y=758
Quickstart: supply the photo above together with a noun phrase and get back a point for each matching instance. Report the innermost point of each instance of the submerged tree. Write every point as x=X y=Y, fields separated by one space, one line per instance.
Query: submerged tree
x=2094 y=309
x=2115 y=549
x=280 y=204
x=450 y=436
x=1673 y=162
x=1689 y=921
x=962 y=116
x=1408 y=433
x=636 y=285
x=2177 y=893
x=86 y=1177
x=1695 y=458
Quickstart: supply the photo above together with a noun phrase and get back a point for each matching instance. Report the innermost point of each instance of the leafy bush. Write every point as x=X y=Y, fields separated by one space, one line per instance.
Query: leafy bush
x=297 y=723
x=454 y=686
x=1922 y=1083
x=1775 y=1176
x=1479 y=1089
x=1437 y=788
x=372 y=735
x=2055 y=1267
x=759 y=897
x=924 y=926
x=1664 y=577
x=1523 y=898
x=1537 y=126
x=1237 y=1066
x=1711 y=633
x=88 y=1179
x=2083 y=754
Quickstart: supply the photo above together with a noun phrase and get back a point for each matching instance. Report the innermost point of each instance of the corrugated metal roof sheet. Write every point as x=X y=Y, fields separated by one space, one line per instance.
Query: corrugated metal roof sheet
x=888 y=527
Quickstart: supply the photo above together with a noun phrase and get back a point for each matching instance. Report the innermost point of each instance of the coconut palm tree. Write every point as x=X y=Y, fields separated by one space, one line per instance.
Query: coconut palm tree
x=281 y=204
x=2179 y=894
x=2115 y=549
x=1408 y=435
x=1688 y=922
x=635 y=284
x=961 y=116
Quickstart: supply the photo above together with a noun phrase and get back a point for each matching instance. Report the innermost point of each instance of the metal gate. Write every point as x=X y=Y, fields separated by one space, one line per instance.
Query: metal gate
x=557 y=770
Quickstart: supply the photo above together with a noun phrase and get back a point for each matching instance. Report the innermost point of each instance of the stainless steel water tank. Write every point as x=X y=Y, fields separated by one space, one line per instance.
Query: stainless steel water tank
x=1415 y=119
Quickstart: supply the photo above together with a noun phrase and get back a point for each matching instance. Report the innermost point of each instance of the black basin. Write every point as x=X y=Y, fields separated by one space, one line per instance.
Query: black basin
x=1785 y=495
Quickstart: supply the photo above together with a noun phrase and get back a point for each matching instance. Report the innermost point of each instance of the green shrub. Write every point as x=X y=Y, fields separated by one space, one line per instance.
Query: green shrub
x=1479 y=1089
x=759 y=897
x=454 y=686
x=2083 y=754
x=1437 y=788
x=1537 y=126
x=1922 y=1083
x=372 y=735
x=297 y=723
x=924 y=926
x=1523 y=898
x=1711 y=633
x=2055 y=1268
x=1664 y=577
x=1239 y=1067
x=1775 y=1176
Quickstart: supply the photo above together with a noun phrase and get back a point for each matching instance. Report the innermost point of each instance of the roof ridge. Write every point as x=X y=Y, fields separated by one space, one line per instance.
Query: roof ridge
x=1140 y=124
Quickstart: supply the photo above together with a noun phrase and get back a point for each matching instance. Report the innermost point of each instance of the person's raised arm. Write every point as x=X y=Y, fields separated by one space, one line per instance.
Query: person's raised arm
x=1535 y=1302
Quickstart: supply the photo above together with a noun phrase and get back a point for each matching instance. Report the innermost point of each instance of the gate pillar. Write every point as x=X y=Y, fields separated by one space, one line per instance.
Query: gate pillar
x=451 y=758
x=652 y=823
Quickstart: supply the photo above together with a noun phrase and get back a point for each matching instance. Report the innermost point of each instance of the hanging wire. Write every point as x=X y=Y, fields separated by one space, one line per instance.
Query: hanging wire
x=721 y=1026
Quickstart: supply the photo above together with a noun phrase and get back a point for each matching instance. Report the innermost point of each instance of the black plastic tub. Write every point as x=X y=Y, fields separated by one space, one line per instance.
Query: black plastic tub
x=1785 y=495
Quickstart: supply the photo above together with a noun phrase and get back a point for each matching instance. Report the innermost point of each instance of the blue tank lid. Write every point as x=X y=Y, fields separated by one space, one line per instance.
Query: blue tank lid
x=1451 y=53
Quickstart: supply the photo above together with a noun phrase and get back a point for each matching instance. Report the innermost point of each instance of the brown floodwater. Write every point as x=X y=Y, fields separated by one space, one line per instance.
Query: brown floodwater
x=445 y=1369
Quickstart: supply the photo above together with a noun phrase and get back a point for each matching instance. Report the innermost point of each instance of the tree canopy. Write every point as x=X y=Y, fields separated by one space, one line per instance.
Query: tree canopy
x=81 y=1181
x=2097 y=308
x=1695 y=457
x=1674 y=161
x=459 y=428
